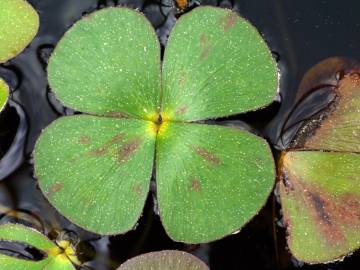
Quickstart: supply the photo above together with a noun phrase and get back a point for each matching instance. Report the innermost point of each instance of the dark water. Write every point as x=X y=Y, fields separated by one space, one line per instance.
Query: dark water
x=300 y=33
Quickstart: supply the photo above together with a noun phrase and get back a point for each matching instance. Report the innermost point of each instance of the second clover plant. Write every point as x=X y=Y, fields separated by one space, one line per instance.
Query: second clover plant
x=95 y=168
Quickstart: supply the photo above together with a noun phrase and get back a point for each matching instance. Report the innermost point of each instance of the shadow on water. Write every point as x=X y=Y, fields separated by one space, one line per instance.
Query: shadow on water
x=300 y=34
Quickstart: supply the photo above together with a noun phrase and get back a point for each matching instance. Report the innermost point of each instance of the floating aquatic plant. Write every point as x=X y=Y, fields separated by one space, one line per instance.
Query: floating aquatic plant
x=95 y=168
x=56 y=256
x=19 y=23
x=167 y=259
x=4 y=94
x=320 y=173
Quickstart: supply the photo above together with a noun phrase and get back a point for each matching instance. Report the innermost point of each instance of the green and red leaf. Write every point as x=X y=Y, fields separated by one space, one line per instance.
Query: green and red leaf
x=96 y=171
x=320 y=196
x=216 y=64
x=211 y=180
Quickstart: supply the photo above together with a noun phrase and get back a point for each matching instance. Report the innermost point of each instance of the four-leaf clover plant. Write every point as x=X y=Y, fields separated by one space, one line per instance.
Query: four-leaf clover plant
x=95 y=168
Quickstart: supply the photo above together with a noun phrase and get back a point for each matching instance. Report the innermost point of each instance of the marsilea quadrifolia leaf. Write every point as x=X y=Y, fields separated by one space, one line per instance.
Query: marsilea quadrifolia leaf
x=320 y=187
x=96 y=169
x=55 y=258
x=166 y=259
x=19 y=23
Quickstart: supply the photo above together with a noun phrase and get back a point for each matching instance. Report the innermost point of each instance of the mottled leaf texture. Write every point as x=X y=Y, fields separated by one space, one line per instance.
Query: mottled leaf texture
x=320 y=182
x=19 y=24
x=21 y=234
x=109 y=64
x=96 y=171
x=4 y=94
x=320 y=196
x=216 y=64
x=210 y=180
x=164 y=260
x=338 y=128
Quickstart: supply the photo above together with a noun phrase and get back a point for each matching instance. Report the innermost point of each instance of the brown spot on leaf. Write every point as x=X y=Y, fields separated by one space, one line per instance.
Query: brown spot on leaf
x=54 y=188
x=127 y=150
x=195 y=184
x=84 y=139
x=229 y=21
x=102 y=150
x=205 y=154
x=116 y=139
x=181 y=110
x=203 y=40
x=205 y=47
x=117 y=115
x=205 y=53
x=138 y=190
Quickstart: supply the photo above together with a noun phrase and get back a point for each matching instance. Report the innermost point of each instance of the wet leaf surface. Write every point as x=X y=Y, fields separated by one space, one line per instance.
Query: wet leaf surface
x=221 y=171
x=19 y=23
x=114 y=72
x=96 y=170
x=167 y=259
x=215 y=65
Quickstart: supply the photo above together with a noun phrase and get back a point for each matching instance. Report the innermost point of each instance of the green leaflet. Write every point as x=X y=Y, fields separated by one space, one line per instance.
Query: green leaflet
x=4 y=94
x=215 y=65
x=19 y=24
x=115 y=74
x=211 y=180
x=161 y=260
x=97 y=170
x=320 y=190
x=55 y=259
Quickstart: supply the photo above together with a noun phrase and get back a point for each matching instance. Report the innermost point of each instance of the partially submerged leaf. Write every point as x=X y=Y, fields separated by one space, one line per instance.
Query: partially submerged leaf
x=4 y=94
x=320 y=196
x=338 y=128
x=108 y=63
x=19 y=23
x=216 y=64
x=320 y=183
x=210 y=180
x=96 y=171
x=162 y=260
x=56 y=259
x=325 y=73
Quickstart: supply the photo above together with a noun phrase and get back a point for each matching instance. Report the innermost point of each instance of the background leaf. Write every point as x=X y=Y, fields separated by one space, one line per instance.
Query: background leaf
x=4 y=94
x=216 y=64
x=210 y=180
x=108 y=63
x=19 y=24
x=28 y=236
x=161 y=260
x=96 y=171
x=320 y=197
x=337 y=129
